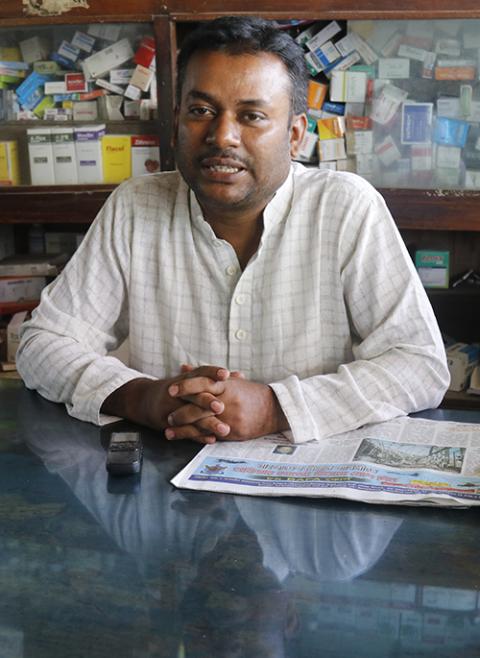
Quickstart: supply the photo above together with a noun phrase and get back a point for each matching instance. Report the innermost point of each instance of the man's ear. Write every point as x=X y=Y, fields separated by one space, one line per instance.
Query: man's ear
x=297 y=131
x=173 y=141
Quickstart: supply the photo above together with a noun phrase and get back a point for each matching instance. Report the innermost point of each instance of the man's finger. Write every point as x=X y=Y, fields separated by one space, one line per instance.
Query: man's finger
x=188 y=414
x=189 y=432
x=207 y=426
x=195 y=385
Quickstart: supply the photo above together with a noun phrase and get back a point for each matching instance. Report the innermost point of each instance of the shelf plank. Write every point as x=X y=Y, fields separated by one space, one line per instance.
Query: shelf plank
x=52 y=204
x=326 y=9
x=434 y=210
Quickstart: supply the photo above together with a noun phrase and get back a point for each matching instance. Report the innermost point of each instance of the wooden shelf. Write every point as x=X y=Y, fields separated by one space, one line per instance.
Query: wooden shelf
x=52 y=204
x=434 y=210
x=321 y=9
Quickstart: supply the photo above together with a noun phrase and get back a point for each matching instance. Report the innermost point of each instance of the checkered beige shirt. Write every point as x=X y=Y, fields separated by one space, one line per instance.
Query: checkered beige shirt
x=329 y=311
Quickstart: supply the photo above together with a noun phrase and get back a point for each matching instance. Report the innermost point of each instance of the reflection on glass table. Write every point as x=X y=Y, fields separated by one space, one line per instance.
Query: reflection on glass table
x=155 y=571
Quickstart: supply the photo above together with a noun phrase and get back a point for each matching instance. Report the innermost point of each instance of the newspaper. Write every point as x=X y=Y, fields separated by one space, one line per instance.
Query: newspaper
x=405 y=461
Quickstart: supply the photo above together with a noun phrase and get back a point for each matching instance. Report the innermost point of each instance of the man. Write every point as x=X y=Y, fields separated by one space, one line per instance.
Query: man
x=258 y=296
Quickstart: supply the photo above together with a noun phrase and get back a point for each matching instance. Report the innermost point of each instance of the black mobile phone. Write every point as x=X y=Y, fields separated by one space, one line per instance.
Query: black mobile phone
x=125 y=453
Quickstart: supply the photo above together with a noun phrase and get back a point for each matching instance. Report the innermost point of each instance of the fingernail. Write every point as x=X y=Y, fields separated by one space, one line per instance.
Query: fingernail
x=169 y=434
x=173 y=390
x=222 y=428
x=216 y=406
x=222 y=373
x=170 y=420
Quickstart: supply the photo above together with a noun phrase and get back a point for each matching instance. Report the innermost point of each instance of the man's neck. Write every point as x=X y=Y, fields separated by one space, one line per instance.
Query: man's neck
x=242 y=232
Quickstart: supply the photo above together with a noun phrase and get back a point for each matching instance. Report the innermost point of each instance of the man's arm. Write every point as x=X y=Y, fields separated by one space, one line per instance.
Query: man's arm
x=397 y=364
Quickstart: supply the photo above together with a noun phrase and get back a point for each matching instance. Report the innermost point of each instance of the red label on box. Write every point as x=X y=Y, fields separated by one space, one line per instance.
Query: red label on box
x=358 y=123
x=455 y=73
x=91 y=95
x=145 y=140
x=145 y=52
x=75 y=82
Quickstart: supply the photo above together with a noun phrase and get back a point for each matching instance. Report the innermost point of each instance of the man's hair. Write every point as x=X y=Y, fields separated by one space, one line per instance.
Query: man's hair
x=240 y=35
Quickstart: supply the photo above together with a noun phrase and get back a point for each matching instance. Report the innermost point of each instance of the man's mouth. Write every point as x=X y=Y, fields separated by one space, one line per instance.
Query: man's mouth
x=224 y=169
x=216 y=165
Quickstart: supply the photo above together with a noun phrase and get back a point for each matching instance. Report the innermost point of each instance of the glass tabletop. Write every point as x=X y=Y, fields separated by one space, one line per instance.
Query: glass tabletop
x=95 y=566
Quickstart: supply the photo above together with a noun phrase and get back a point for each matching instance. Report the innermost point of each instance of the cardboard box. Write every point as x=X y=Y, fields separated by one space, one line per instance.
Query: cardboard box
x=64 y=157
x=107 y=59
x=34 y=49
x=40 y=153
x=13 y=331
x=433 y=268
x=61 y=242
x=142 y=78
x=461 y=359
x=145 y=154
x=348 y=87
x=85 y=111
x=88 y=151
x=33 y=264
x=83 y=41
x=145 y=54
x=331 y=128
x=7 y=243
x=20 y=288
x=331 y=149
x=9 y=165
x=117 y=158
x=307 y=147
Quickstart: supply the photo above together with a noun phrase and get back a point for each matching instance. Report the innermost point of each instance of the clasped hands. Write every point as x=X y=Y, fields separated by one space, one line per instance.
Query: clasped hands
x=214 y=403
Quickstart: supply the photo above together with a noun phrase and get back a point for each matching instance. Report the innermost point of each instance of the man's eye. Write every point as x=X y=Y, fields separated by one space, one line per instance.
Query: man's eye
x=200 y=111
x=253 y=117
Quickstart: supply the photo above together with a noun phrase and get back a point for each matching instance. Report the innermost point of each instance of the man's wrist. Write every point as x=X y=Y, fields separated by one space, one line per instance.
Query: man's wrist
x=279 y=420
x=133 y=402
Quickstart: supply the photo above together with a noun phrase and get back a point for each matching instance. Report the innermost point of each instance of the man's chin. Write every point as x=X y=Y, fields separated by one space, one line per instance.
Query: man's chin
x=224 y=198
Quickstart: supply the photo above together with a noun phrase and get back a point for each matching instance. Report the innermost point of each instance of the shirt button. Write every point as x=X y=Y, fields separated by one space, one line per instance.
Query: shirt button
x=240 y=334
x=240 y=299
x=231 y=269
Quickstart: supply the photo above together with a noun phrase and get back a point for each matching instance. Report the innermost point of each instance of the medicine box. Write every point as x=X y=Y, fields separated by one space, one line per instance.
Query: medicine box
x=7 y=244
x=64 y=158
x=62 y=242
x=433 y=268
x=9 y=166
x=20 y=288
x=40 y=155
x=461 y=360
x=13 y=334
x=116 y=153
x=108 y=58
x=88 y=150
x=145 y=154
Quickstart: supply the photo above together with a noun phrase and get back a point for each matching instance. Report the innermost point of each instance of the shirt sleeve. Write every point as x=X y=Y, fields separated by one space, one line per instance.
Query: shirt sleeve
x=82 y=316
x=399 y=364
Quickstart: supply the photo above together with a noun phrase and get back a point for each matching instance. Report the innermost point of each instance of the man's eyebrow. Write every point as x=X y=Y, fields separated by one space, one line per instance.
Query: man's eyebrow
x=195 y=94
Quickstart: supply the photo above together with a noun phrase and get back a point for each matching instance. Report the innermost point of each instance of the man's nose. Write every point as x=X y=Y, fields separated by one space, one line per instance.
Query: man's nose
x=224 y=131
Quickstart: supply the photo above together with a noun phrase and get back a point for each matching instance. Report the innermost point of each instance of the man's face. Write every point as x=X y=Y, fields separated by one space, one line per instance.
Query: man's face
x=235 y=133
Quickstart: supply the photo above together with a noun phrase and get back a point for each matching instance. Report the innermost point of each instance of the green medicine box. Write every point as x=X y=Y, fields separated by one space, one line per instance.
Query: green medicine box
x=433 y=268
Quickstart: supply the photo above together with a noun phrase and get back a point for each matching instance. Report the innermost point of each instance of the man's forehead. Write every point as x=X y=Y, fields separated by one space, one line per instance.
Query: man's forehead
x=262 y=71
